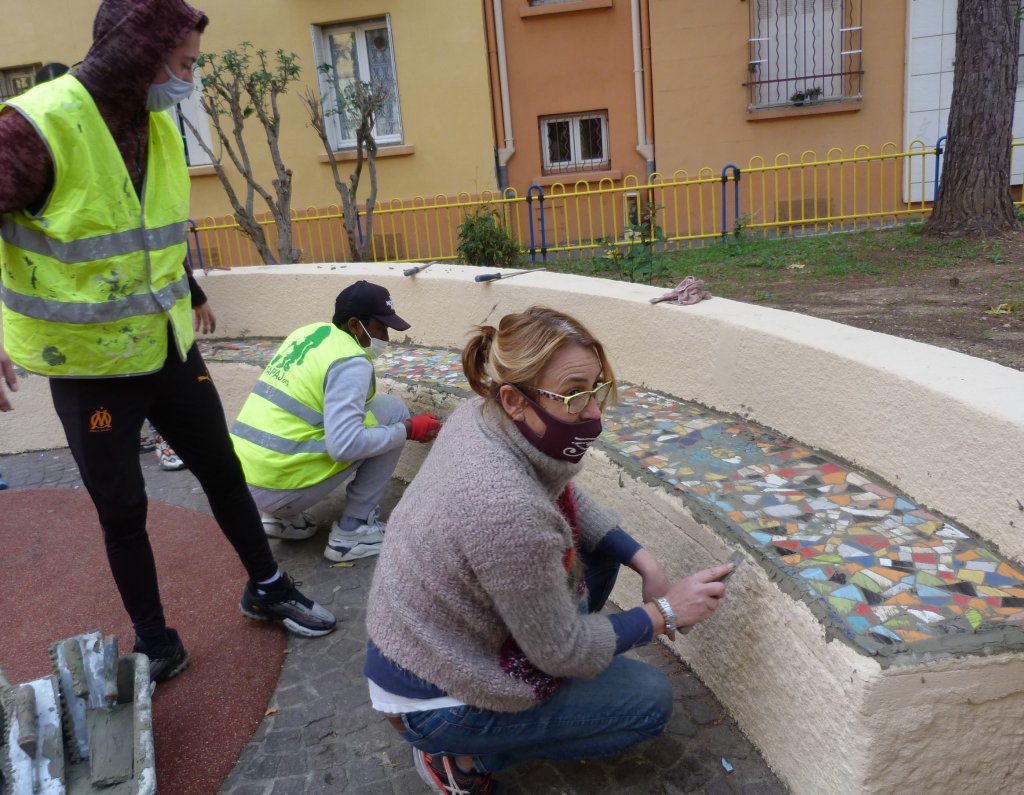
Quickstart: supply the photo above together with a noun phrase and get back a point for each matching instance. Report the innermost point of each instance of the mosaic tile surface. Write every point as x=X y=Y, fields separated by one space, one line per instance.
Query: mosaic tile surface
x=886 y=574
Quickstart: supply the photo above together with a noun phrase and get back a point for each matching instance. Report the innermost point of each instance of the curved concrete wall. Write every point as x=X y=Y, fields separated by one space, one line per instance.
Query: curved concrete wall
x=944 y=427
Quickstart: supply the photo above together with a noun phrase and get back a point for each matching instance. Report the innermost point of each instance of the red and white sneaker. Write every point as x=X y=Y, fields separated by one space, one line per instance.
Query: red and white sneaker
x=442 y=775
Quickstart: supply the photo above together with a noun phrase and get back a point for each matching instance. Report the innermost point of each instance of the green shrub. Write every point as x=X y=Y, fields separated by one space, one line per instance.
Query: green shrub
x=484 y=240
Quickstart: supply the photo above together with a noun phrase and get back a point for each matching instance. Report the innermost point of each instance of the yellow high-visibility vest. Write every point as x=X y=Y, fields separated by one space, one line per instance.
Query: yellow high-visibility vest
x=279 y=434
x=90 y=282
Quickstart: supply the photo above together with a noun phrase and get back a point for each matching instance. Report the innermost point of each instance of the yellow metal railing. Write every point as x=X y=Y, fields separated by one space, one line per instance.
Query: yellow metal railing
x=807 y=195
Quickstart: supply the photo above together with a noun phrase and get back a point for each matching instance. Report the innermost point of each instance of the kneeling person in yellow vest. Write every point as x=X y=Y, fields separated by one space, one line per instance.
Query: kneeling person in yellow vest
x=314 y=422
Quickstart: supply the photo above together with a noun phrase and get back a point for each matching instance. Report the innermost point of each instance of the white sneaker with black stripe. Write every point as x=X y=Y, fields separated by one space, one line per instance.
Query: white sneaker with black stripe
x=363 y=542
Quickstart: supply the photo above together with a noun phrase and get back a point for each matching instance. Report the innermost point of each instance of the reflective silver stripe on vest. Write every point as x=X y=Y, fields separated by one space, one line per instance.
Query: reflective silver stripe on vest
x=93 y=248
x=99 y=312
x=286 y=402
x=276 y=443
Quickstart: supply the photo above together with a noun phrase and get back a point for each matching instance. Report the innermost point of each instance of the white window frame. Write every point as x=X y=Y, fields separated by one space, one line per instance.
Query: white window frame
x=576 y=161
x=192 y=109
x=321 y=51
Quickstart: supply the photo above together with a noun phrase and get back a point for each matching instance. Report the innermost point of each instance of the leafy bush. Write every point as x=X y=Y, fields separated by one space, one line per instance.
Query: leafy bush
x=484 y=240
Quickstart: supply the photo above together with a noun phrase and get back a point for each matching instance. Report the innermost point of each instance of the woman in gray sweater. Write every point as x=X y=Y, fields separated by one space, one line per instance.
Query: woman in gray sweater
x=486 y=645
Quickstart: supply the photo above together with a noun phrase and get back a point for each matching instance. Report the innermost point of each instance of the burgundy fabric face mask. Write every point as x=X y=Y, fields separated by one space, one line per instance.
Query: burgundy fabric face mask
x=566 y=441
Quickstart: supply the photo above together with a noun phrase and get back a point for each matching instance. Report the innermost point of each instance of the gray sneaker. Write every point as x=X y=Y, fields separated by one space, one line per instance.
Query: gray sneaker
x=282 y=601
x=363 y=542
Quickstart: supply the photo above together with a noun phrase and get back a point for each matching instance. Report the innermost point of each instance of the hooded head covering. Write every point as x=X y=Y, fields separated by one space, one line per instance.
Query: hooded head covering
x=131 y=39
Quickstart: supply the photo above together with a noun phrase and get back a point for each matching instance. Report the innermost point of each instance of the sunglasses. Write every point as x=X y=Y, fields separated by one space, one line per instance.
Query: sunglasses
x=578 y=401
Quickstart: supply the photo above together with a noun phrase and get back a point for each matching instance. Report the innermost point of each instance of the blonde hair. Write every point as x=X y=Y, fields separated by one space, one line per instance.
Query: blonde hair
x=519 y=349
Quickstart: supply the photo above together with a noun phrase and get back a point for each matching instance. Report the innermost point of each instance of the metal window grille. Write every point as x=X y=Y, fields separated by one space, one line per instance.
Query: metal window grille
x=16 y=81
x=575 y=143
x=804 y=52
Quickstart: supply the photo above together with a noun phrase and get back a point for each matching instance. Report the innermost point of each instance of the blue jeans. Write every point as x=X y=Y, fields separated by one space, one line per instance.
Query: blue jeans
x=625 y=704
x=622 y=706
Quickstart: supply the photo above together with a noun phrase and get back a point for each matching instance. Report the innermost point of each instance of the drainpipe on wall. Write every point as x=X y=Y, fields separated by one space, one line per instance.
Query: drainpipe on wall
x=504 y=153
x=645 y=147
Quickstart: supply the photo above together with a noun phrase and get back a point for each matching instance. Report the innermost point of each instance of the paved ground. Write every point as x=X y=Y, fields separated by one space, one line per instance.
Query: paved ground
x=320 y=735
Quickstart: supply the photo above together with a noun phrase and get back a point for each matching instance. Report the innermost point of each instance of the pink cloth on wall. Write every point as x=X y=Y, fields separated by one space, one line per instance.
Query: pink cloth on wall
x=689 y=291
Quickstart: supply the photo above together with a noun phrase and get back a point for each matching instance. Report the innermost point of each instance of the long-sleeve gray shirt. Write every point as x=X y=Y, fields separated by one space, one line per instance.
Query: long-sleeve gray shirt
x=346 y=387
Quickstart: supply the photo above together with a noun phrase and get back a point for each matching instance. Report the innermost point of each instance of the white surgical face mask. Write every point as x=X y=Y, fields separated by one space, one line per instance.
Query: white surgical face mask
x=169 y=93
x=377 y=347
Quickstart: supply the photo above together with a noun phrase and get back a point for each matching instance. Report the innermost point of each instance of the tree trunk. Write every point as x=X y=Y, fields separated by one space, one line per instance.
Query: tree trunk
x=974 y=192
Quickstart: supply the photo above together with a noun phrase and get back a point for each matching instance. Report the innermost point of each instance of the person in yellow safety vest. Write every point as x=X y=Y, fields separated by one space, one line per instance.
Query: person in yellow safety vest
x=94 y=199
x=203 y=317
x=314 y=422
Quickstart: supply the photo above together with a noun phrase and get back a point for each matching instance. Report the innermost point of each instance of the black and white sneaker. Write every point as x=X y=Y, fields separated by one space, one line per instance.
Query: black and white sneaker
x=167 y=659
x=282 y=601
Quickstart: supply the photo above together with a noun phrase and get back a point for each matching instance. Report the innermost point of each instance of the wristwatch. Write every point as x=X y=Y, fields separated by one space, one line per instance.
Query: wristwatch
x=667 y=613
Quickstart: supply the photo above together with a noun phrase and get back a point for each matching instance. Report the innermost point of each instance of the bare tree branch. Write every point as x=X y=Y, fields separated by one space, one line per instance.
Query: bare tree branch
x=358 y=103
x=235 y=87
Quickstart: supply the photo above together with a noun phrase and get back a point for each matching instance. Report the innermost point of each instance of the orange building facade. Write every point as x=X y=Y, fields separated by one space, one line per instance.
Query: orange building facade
x=760 y=77
x=568 y=87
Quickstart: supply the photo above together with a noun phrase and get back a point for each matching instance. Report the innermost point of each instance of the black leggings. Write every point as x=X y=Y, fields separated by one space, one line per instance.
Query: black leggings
x=102 y=418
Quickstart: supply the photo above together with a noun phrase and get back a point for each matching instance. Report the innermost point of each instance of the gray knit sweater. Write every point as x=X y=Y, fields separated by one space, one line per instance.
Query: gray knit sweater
x=474 y=558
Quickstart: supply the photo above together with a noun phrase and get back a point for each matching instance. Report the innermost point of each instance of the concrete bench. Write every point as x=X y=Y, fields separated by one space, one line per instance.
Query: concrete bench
x=865 y=645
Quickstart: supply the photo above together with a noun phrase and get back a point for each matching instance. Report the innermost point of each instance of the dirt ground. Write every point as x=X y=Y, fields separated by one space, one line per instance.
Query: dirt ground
x=955 y=307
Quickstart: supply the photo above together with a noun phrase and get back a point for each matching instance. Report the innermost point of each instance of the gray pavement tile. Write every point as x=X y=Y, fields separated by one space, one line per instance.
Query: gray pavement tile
x=246 y=788
x=703 y=709
x=291 y=785
x=719 y=786
x=763 y=788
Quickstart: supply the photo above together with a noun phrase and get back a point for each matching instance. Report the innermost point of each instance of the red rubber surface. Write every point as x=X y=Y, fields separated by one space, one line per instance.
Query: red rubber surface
x=56 y=583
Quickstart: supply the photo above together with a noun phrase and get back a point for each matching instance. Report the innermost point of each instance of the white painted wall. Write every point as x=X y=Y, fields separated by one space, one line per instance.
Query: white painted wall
x=931 y=48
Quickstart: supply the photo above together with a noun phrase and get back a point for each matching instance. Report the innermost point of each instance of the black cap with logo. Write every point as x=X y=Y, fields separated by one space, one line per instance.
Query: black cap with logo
x=364 y=299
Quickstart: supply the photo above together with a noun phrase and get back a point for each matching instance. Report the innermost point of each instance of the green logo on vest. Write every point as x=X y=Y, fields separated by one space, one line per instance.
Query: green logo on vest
x=298 y=350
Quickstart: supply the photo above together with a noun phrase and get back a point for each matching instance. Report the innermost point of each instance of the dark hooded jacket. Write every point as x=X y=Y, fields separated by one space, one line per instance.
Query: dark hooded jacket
x=131 y=39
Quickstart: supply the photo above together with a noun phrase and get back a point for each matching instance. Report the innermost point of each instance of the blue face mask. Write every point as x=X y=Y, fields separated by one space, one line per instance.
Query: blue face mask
x=163 y=96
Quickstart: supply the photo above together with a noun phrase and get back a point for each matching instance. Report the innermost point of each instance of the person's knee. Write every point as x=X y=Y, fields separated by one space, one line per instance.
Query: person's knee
x=124 y=523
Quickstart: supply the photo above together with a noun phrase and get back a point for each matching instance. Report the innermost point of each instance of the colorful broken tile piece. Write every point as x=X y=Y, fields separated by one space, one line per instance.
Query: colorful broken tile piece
x=895 y=576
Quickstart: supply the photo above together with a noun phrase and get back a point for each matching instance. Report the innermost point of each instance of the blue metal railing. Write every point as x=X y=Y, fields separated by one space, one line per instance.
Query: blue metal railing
x=199 y=251
x=539 y=191
x=736 y=196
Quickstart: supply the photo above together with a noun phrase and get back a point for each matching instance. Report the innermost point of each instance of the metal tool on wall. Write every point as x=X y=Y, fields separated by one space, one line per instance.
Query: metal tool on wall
x=491 y=277
x=417 y=269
